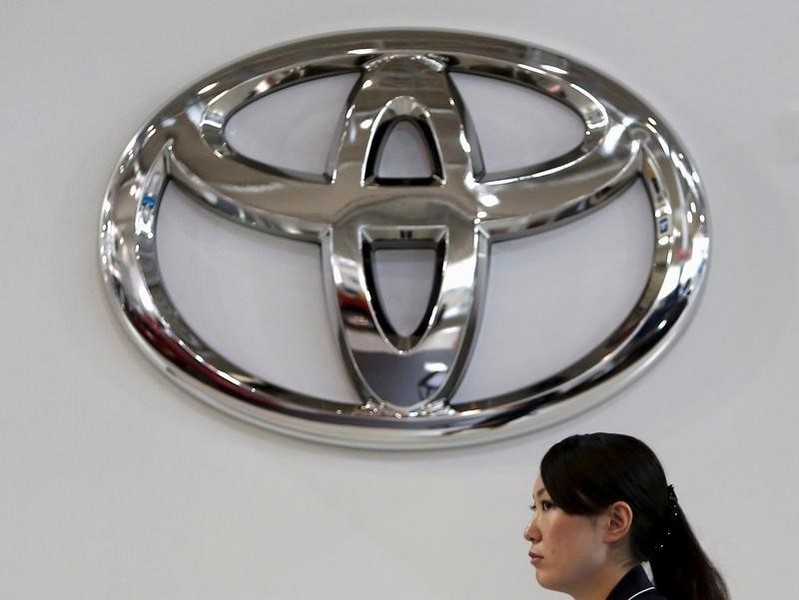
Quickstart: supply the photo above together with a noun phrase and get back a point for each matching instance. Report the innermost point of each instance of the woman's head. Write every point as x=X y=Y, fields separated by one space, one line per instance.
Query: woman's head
x=610 y=494
x=578 y=554
x=585 y=474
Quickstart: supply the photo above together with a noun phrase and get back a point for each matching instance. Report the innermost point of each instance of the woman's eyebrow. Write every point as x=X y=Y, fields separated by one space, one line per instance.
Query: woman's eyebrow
x=541 y=492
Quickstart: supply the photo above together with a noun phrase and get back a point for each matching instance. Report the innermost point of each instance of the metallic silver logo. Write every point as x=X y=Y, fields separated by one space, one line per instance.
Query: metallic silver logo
x=405 y=381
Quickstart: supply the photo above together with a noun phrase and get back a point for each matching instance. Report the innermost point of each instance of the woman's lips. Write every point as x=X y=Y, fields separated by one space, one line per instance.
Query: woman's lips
x=535 y=558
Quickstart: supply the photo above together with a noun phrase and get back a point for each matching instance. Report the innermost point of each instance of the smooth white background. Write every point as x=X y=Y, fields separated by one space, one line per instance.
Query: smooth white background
x=115 y=484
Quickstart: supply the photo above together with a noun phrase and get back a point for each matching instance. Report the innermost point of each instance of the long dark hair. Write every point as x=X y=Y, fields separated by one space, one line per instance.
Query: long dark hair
x=585 y=474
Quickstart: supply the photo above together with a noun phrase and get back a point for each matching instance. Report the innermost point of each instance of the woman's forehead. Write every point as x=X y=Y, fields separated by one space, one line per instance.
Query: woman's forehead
x=538 y=487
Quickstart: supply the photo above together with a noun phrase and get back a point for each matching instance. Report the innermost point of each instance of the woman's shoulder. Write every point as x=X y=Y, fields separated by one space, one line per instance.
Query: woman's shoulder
x=635 y=585
x=650 y=595
x=646 y=594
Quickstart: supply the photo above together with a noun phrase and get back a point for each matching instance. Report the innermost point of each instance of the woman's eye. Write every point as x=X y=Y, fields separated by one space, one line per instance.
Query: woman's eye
x=546 y=505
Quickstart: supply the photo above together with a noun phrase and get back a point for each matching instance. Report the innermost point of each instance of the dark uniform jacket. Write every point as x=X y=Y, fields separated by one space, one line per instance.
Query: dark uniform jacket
x=635 y=585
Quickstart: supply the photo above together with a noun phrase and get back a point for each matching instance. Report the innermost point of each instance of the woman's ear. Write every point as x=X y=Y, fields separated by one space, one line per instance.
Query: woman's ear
x=620 y=519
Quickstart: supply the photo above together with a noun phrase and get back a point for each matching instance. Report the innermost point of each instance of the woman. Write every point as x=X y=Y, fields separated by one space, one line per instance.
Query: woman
x=602 y=507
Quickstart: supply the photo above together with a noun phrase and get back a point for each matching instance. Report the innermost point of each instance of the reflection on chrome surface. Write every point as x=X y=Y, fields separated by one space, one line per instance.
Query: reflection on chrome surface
x=405 y=380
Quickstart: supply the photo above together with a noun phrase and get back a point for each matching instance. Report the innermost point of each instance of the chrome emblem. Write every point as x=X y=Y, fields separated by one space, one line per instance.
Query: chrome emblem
x=405 y=381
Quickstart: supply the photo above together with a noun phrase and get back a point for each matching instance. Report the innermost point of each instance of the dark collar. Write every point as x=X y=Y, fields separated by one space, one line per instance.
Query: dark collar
x=636 y=580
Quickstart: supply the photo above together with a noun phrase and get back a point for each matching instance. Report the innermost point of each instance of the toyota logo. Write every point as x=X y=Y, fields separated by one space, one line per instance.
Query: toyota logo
x=405 y=381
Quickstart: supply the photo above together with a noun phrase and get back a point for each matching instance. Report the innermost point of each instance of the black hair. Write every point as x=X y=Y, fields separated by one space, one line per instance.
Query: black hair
x=585 y=474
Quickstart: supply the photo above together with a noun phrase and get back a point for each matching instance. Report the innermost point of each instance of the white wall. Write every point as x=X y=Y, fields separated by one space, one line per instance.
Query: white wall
x=115 y=484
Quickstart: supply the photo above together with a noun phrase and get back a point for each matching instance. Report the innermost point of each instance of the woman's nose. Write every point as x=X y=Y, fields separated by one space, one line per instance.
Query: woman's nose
x=532 y=533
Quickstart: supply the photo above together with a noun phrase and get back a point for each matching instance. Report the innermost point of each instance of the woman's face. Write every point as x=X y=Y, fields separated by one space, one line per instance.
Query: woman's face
x=567 y=551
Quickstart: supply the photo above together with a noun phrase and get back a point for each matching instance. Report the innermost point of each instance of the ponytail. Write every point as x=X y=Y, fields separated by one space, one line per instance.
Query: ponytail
x=680 y=568
x=585 y=474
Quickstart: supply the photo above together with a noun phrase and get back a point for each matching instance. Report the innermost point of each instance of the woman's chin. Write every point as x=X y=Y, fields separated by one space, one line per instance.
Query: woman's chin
x=546 y=581
x=541 y=578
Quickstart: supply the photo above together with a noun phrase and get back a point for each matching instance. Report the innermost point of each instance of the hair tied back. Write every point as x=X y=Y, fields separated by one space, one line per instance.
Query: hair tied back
x=668 y=520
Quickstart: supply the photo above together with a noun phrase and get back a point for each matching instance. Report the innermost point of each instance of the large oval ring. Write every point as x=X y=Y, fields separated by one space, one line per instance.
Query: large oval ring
x=405 y=381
